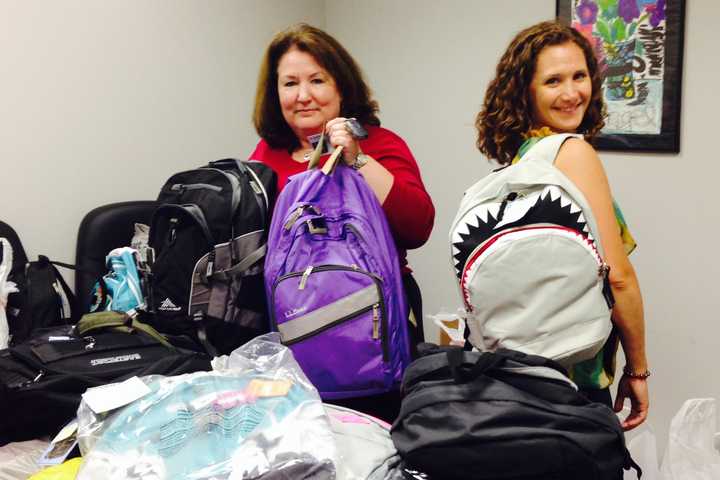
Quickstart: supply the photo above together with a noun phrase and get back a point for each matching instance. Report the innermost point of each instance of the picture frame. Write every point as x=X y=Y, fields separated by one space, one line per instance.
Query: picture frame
x=639 y=45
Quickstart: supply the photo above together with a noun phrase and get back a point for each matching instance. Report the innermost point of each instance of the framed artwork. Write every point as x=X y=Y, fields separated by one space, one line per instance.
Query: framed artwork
x=639 y=46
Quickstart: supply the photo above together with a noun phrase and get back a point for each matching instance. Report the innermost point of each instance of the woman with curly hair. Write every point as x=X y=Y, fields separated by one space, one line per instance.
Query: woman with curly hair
x=547 y=82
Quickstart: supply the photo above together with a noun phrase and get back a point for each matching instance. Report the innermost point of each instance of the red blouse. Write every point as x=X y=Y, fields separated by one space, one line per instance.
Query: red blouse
x=409 y=209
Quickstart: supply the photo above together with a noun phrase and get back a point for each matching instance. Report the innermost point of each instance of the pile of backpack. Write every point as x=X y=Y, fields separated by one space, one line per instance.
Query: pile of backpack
x=200 y=287
x=225 y=262
x=199 y=294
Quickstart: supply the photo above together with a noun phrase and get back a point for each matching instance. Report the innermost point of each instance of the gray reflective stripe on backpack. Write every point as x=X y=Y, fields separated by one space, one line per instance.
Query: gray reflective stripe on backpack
x=195 y=186
x=324 y=317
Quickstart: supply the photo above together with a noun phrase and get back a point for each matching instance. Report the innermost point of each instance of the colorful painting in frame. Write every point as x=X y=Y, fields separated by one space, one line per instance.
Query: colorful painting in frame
x=639 y=46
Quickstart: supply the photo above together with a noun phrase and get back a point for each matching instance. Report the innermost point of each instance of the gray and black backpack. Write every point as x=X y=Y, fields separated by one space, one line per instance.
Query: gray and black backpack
x=527 y=254
x=209 y=239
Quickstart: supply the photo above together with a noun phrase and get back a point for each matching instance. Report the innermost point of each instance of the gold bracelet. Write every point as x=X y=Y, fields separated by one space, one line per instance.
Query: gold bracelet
x=642 y=375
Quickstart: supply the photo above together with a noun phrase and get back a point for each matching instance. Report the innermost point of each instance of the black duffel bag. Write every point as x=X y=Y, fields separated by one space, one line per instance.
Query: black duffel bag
x=503 y=415
x=43 y=378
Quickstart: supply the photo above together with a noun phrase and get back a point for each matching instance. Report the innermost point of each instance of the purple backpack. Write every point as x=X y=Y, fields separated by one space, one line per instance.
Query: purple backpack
x=334 y=286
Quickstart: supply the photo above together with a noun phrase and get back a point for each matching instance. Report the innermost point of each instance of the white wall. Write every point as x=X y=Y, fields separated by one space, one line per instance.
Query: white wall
x=101 y=101
x=429 y=63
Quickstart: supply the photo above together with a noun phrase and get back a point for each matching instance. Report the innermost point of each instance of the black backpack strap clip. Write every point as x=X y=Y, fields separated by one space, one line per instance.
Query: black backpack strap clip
x=463 y=371
x=199 y=320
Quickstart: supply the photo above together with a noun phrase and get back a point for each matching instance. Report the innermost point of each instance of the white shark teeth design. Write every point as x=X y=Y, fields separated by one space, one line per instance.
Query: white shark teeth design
x=493 y=210
x=564 y=202
x=462 y=229
x=456 y=263
x=551 y=190
x=575 y=209
x=473 y=218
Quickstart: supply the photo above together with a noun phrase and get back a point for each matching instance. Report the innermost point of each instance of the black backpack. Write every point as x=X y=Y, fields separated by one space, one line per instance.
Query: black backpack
x=43 y=298
x=43 y=378
x=504 y=415
x=208 y=237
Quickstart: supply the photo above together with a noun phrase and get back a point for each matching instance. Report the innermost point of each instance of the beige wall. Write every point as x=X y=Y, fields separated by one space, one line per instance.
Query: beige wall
x=101 y=101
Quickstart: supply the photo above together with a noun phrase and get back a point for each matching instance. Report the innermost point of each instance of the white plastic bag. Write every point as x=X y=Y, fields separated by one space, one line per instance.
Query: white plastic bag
x=643 y=450
x=18 y=460
x=6 y=288
x=690 y=453
x=642 y=445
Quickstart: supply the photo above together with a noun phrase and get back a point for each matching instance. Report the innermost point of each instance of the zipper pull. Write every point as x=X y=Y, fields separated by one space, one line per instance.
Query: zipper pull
x=304 y=278
x=39 y=376
x=210 y=264
x=376 y=322
x=604 y=270
x=172 y=231
x=294 y=216
x=604 y=274
x=255 y=187
x=501 y=211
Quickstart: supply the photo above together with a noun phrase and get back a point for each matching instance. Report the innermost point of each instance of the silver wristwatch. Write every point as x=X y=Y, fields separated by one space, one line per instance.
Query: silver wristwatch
x=360 y=160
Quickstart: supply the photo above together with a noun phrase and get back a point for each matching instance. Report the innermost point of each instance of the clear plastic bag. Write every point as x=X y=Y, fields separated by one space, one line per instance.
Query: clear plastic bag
x=690 y=452
x=254 y=416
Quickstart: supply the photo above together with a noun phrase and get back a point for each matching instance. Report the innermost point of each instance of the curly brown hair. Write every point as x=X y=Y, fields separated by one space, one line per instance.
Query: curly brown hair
x=506 y=115
x=356 y=95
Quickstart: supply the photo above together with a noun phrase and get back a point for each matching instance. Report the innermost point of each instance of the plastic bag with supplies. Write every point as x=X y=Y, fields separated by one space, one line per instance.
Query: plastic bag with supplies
x=690 y=453
x=255 y=416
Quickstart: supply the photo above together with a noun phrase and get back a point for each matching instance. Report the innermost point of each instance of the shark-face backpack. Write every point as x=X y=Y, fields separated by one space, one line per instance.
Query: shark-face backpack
x=527 y=254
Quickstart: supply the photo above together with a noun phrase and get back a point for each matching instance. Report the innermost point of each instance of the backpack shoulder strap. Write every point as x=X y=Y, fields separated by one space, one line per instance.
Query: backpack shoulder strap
x=547 y=148
x=120 y=321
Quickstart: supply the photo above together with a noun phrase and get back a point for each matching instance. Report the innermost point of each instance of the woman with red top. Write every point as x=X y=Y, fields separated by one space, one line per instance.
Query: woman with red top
x=309 y=81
